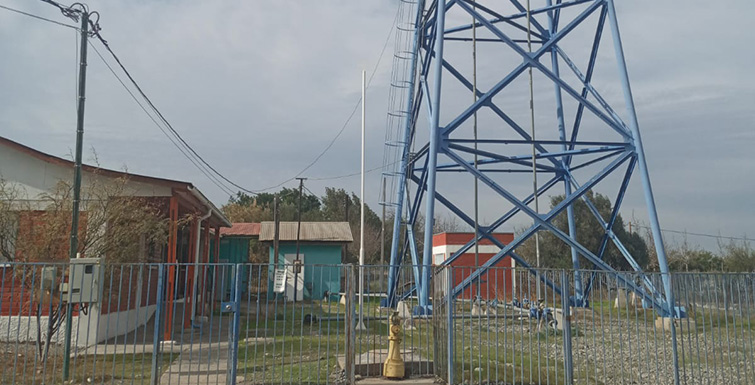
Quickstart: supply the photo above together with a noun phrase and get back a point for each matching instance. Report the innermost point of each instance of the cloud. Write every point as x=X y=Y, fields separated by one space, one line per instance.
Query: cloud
x=260 y=88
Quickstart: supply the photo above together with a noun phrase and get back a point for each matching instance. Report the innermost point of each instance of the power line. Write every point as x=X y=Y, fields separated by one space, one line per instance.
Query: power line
x=165 y=120
x=73 y=14
x=348 y=175
x=181 y=149
x=699 y=234
x=200 y=162
x=39 y=17
x=348 y=120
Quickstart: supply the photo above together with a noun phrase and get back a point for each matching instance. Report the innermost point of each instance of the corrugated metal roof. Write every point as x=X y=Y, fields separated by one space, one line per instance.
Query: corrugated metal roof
x=241 y=230
x=310 y=231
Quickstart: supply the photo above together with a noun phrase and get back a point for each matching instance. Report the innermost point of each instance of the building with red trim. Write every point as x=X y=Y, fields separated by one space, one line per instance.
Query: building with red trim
x=497 y=282
x=36 y=173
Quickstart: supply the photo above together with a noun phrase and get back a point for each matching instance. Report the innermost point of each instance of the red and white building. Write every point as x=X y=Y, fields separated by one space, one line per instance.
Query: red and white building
x=497 y=282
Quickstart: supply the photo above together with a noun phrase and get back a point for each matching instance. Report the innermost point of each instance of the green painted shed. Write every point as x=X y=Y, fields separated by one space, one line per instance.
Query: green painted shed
x=321 y=252
x=235 y=248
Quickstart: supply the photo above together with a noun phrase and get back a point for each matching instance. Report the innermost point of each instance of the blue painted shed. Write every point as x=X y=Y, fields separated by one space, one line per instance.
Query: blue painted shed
x=321 y=251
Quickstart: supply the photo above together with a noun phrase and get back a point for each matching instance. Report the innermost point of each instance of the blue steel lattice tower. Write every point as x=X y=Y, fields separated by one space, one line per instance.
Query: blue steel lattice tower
x=582 y=142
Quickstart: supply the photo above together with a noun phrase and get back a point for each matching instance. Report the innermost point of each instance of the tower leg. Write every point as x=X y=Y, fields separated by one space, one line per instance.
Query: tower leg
x=424 y=294
x=642 y=163
x=395 y=259
x=578 y=292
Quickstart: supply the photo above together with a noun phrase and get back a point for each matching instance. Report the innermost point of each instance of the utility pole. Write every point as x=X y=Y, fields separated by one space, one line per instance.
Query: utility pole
x=76 y=183
x=382 y=230
x=276 y=237
x=347 y=204
x=298 y=237
x=360 y=325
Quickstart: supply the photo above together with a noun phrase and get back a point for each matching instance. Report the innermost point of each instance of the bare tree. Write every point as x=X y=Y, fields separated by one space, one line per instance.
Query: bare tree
x=116 y=225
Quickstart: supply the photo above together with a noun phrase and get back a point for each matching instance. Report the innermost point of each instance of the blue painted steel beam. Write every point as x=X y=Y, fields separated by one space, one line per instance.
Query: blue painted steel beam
x=587 y=85
x=614 y=214
x=435 y=133
x=519 y=159
x=608 y=228
x=538 y=141
x=593 y=161
x=533 y=21
x=392 y=272
x=529 y=60
x=642 y=163
x=565 y=161
x=464 y=81
x=552 y=27
x=588 y=75
x=486 y=40
x=520 y=15
x=505 y=20
x=486 y=233
x=544 y=221
x=660 y=305
x=503 y=219
x=532 y=60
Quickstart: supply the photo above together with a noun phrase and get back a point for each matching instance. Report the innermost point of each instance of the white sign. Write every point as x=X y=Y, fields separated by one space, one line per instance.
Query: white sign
x=279 y=285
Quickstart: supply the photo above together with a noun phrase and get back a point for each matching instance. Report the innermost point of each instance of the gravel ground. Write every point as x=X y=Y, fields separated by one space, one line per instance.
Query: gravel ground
x=628 y=351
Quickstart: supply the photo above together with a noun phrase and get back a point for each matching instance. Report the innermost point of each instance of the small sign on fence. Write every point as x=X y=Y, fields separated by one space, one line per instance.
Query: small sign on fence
x=280 y=281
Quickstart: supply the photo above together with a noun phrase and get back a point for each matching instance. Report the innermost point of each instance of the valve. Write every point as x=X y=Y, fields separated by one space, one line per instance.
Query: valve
x=394 y=365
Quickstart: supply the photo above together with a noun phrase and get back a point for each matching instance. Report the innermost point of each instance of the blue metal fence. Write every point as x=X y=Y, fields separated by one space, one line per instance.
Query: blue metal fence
x=132 y=328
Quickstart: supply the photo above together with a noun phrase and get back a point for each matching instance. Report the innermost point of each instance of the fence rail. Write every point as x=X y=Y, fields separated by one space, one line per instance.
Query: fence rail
x=225 y=323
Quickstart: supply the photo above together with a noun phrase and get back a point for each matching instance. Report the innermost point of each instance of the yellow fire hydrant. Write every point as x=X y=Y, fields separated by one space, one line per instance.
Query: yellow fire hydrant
x=394 y=365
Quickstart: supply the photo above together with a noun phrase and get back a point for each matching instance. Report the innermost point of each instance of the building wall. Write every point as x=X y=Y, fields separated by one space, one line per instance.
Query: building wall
x=127 y=301
x=322 y=270
x=497 y=282
x=36 y=176
x=88 y=329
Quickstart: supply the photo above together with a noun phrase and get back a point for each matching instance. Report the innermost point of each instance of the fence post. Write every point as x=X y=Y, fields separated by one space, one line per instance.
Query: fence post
x=350 y=325
x=236 y=327
x=566 y=309
x=154 y=380
x=450 y=324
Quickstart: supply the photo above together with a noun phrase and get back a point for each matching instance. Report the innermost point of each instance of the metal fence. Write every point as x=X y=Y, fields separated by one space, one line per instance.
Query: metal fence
x=518 y=336
x=224 y=324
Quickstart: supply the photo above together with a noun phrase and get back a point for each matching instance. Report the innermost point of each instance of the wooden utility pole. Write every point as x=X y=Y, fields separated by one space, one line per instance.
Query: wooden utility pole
x=276 y=237
x=298 y=237
x=346 y=205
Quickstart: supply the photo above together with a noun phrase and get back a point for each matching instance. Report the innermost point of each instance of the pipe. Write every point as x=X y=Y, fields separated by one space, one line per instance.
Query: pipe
x=209 y=204
x=196 y=266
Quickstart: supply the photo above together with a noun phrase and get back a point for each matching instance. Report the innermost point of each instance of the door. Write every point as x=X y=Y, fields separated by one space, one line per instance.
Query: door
x=294 y=277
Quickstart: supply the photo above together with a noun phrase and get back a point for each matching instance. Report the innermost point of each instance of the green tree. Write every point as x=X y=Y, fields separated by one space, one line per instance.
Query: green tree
x=554 y=253
x=738 y=256
x=259 y=208
x=336 y=204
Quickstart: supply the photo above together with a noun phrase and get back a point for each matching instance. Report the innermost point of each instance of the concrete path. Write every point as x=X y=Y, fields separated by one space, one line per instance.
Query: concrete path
x=200 y=367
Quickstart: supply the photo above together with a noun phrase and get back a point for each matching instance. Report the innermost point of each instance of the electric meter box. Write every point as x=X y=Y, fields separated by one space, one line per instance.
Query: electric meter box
x=84 y=280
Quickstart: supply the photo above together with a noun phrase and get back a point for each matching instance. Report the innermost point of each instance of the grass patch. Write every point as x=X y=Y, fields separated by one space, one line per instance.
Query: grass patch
x=21 y=368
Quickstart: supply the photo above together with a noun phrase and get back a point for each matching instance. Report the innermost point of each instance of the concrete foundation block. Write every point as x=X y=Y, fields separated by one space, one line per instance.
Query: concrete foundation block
x=622 y=300
x=403 y=309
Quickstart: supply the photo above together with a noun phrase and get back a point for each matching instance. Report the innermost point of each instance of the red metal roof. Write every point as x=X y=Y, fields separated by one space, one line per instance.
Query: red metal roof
x=241 y=230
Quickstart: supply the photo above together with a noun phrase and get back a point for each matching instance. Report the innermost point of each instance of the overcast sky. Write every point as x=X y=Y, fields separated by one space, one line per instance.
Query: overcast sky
x=260 y=88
